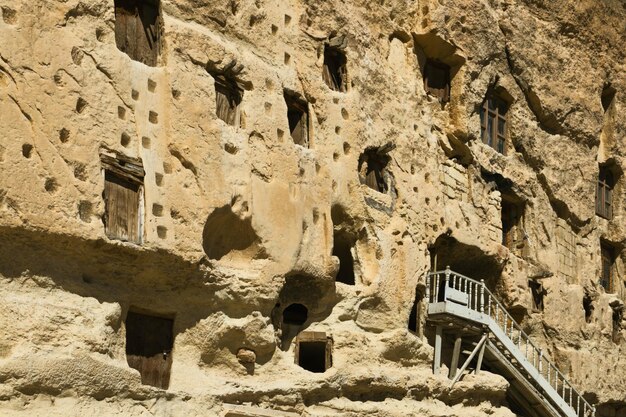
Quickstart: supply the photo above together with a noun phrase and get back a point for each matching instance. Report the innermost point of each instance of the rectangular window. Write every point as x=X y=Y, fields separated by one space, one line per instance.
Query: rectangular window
x=149 y=343
x=513 y=236
x=373 y=168
x=437 y=80
x=123 y=198
x=493 y=123
x=335 y=73
x=138 y=29
x=607 y=273
x=228 y=97
x=314 y=351
x=298 y=116
x=604 y=193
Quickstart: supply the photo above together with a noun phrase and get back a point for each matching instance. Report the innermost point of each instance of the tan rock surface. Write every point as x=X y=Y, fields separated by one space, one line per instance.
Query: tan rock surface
x=239 y=222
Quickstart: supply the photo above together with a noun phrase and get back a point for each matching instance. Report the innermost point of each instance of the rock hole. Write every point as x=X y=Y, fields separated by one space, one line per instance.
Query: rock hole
x=287 y=58
x=162 y=232
x=274 y=29
x=77 y=55
x=167 y=167
x=335 y=156
x=121 y=112
x=27 y=150
x=318 y=167
x=287 y=19
x=295 y=314
x=125 y=139
x=175 y=93
x=344 y=114
x=346 y=148
x=157 y=210
x=153 y=117
x=608 y=94
x=51 y=185
x=85 y=209
x=230 y=148
x=145 y=142
x=9 y=16
x=80 y=105
x=337 y=130
x=134 y=94
x=268 y=108
x=100 y=34
x=158 y=179
x=151 y=85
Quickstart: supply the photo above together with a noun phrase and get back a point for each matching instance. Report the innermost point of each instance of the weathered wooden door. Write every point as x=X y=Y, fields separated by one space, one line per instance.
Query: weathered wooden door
x=122 y=200
x=149 y=342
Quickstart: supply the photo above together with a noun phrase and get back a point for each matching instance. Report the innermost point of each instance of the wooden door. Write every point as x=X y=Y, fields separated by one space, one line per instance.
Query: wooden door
x=149 y=342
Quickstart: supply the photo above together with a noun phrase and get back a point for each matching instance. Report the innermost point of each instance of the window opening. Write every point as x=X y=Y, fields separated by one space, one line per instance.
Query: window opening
x=295 y=314
x=608 y=94
x=342 y=249
x=228 y=97
x=437 y=80
x=335 y=72
x=618 y=315
x=604 y=193
x=415 y=316
x=138 y=29
x=149 y=343
x=588 y=307
x=607 y=273
x=373 y=169
x=493 y=123
x=123 y=194
x=513 y=235
x=298 y=116
x=537 y=293
x=314 y=351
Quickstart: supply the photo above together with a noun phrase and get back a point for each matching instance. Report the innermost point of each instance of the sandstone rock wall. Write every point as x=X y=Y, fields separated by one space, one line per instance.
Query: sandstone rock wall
x=239 y=223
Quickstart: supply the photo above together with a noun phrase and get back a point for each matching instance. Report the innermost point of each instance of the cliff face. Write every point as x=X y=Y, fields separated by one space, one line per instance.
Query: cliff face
x=121 y=190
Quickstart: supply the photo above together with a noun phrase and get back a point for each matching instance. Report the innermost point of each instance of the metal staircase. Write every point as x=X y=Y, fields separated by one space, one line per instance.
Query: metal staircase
x=465 y=309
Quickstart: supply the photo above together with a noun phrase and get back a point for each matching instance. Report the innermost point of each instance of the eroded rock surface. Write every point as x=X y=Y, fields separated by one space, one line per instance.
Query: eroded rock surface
x=244 y=236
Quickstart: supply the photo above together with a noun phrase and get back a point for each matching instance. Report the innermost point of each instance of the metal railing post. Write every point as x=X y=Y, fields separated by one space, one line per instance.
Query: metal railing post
x=447 y=280
x=482 y=295
x=427 y=292
x=540 y=359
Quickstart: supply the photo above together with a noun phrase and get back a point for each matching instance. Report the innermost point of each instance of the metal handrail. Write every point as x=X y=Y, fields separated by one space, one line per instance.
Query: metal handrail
x=482 y=300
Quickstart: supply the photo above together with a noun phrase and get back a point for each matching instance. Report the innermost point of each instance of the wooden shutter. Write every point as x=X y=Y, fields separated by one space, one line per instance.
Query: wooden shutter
x=138 y=29
x=122 y=208
x=123 y=181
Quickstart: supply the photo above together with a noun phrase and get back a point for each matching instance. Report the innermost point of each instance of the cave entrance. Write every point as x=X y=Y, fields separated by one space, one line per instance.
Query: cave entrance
x=342 y=249
x=465 y=259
